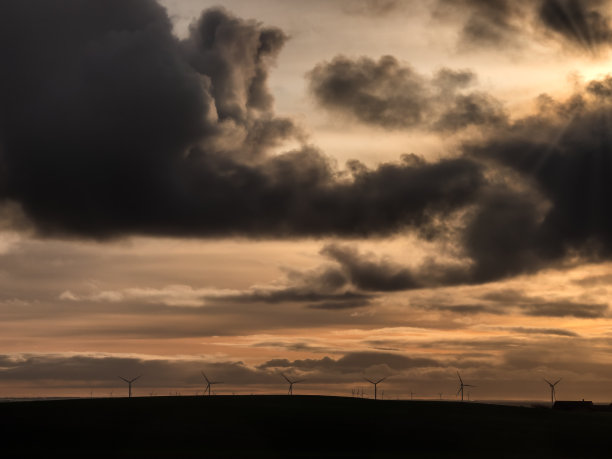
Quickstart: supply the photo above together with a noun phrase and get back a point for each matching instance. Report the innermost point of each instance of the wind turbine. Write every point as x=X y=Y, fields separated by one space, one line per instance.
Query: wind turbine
x=376 y=383
x=462 y=385
x=552 y=390
x=130 y=381
x=209 y=384
x=291 y=383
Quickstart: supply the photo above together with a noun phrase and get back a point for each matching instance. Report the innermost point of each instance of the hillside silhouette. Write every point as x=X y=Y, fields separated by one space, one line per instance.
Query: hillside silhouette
x=298 y=426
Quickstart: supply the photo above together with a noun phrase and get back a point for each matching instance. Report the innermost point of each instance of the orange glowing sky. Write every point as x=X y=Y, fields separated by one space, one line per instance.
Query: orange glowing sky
x=504 y=275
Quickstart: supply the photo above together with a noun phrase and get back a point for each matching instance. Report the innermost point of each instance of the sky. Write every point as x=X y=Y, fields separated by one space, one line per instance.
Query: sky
x=331 y=190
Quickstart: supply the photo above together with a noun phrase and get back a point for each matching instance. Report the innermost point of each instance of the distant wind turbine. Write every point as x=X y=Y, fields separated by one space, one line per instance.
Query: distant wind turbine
x=130 y=381
x=291 y=383
x=553 y=390
x=376 y=383
x=209 y=384
x=462 y=385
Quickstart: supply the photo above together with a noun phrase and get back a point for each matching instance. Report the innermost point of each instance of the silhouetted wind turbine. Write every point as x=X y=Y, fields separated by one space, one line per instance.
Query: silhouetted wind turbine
x=209 y=384
x=462 y=385
x=552 y=390
x=130 y=381
x=291 y=383
x=376 y=383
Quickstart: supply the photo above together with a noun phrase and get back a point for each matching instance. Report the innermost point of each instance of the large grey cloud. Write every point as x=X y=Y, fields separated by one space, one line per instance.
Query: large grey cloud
x=365 y=275
x=536 y=306
x=77 y=370
x=355 y=362
x=110 y=125
x=393 y=95
x=486 y=23
x=564 y=151
x=586 y=23
x=578 y=24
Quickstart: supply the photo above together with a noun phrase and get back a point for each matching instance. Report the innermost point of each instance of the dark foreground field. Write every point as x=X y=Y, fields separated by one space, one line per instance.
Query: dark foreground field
x=298 y=426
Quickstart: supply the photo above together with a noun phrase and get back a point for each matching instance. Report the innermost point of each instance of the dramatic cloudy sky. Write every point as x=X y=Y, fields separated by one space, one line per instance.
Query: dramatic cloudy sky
x=332 y=189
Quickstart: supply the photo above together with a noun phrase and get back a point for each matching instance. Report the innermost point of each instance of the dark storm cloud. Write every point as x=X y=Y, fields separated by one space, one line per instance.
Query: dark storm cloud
x=110 y=125
x=98 y=369
x=502 y=234
x=536 y=306
x=582 y=24
x=474 y=109
x=324 y=288
x=566 y=309
x=590 y=281
x=563 y=151
x=354 y=362
x=542 y=331
x=297 y=294
x=235 y=56
x=300 y=194
x=512 y=302
x=389 y=94
x=292 y=346
x=356 y=280
x=370 y=274
x=465 y=309
x=486 y=22
x=339 y=304
x=373 y=7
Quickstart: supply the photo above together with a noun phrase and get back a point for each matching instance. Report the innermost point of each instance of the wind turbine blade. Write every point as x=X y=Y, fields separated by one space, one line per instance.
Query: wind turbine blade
x=288 y=380
x=136 y=378
x=469 y=385
x=459 y=377
x=299 y=380
x=548 y=381
x=381 y=380
x=557 y=382
x=458 y=391
x=121 y=377
x=371 y=382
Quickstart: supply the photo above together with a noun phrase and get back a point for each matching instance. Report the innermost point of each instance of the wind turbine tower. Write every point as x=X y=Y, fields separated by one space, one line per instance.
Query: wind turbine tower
x=291 y=383
x=553 y=390
x=130 y=381
x=462 y=385
x=209 y=384
x=376 y=383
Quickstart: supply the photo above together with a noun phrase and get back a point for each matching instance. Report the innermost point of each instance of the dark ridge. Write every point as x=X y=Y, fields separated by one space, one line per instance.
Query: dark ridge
x=297 y=426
